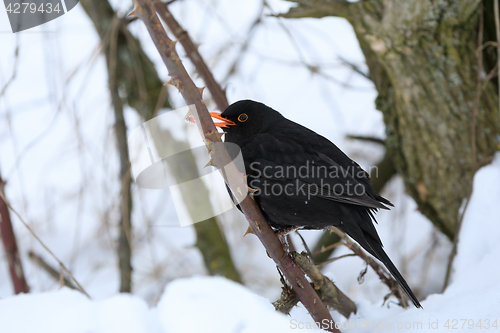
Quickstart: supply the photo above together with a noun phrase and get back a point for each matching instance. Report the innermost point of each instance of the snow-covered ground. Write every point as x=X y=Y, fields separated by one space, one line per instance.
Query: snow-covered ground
x=214 y=304
x=58 y=154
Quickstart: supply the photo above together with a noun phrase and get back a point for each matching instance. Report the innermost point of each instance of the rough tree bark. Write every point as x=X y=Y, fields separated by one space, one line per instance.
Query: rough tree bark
x=422 y=60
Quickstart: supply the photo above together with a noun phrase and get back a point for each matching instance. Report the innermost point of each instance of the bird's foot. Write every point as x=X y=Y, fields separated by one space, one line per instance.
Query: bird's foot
x=284 y=232
x=282 y=236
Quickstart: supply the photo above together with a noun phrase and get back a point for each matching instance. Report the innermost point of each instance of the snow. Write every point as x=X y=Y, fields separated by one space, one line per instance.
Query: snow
x=214 y=304
x=197 y=304
x=472 y=297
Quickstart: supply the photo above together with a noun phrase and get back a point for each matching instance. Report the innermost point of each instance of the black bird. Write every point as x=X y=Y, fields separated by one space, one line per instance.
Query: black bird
x=304 y=180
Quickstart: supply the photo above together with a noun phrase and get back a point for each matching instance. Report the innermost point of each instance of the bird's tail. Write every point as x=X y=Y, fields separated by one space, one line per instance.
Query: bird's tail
x=380 y=254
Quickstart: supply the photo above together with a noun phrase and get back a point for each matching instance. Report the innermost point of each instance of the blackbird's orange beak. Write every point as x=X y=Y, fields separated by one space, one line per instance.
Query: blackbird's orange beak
x=225 y=123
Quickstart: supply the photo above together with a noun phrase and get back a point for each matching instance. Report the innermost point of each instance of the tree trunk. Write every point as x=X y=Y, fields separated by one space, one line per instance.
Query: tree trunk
x=422 y=60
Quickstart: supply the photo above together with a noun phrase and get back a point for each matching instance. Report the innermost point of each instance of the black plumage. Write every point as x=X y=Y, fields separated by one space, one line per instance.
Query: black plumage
x=302 y=179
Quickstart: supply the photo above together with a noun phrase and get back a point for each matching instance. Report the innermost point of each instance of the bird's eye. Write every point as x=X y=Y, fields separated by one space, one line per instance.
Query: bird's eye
x=243 y=117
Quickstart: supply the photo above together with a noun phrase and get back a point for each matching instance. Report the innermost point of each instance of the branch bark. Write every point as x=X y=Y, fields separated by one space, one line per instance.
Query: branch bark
x=63 y=267
x=180 y=78
x=10 y=246
x=55 y=274
x=329 y=292
x=218 y=95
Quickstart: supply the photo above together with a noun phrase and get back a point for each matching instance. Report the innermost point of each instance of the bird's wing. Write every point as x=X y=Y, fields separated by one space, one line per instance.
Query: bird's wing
x=303 y=158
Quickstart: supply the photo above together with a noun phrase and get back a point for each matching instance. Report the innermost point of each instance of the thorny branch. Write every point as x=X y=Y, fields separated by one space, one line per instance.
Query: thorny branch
x=56 y=275
x=63 y=267
x=218 y=95
x=141 y=88
x=192 y=95
x=329 y=292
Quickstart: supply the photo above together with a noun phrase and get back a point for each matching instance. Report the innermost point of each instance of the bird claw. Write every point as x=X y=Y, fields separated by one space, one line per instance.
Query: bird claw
x=282 y=236
x=249 y=231
x=285 y=232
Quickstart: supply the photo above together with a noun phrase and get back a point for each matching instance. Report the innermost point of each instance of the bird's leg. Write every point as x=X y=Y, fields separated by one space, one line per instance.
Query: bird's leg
x=286 y=231
x=282 y=236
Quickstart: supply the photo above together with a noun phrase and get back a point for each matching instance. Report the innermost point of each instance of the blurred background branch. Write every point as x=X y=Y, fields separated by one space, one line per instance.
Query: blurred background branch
x=10 y=245
x=130 y=64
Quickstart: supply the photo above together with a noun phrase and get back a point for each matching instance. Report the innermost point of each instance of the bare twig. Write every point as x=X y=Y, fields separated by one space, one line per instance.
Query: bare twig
x=384 y=276
x=329 y=261
x=246 y=43
x=192 y=96
x=10 y=246
x=354 y=68
x=2 y=196
x=192 y=53
x=137 y=76
x=55 y=274
x=367 y=139
x=305 y=245
x=14 y=71
x=327 y=248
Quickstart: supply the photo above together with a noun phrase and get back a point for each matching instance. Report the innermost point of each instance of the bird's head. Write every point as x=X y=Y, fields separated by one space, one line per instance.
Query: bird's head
x=246 y=118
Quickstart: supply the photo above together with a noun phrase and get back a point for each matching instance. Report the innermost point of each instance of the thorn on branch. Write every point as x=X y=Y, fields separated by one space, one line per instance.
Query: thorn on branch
x=176 y=83
x=249 y=231
x=172 y=44
x=251 y=192
x=210 y=163
x=219 y=135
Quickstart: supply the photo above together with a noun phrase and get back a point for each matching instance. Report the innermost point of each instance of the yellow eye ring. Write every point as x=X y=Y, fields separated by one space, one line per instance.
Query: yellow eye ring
x=242 y=117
